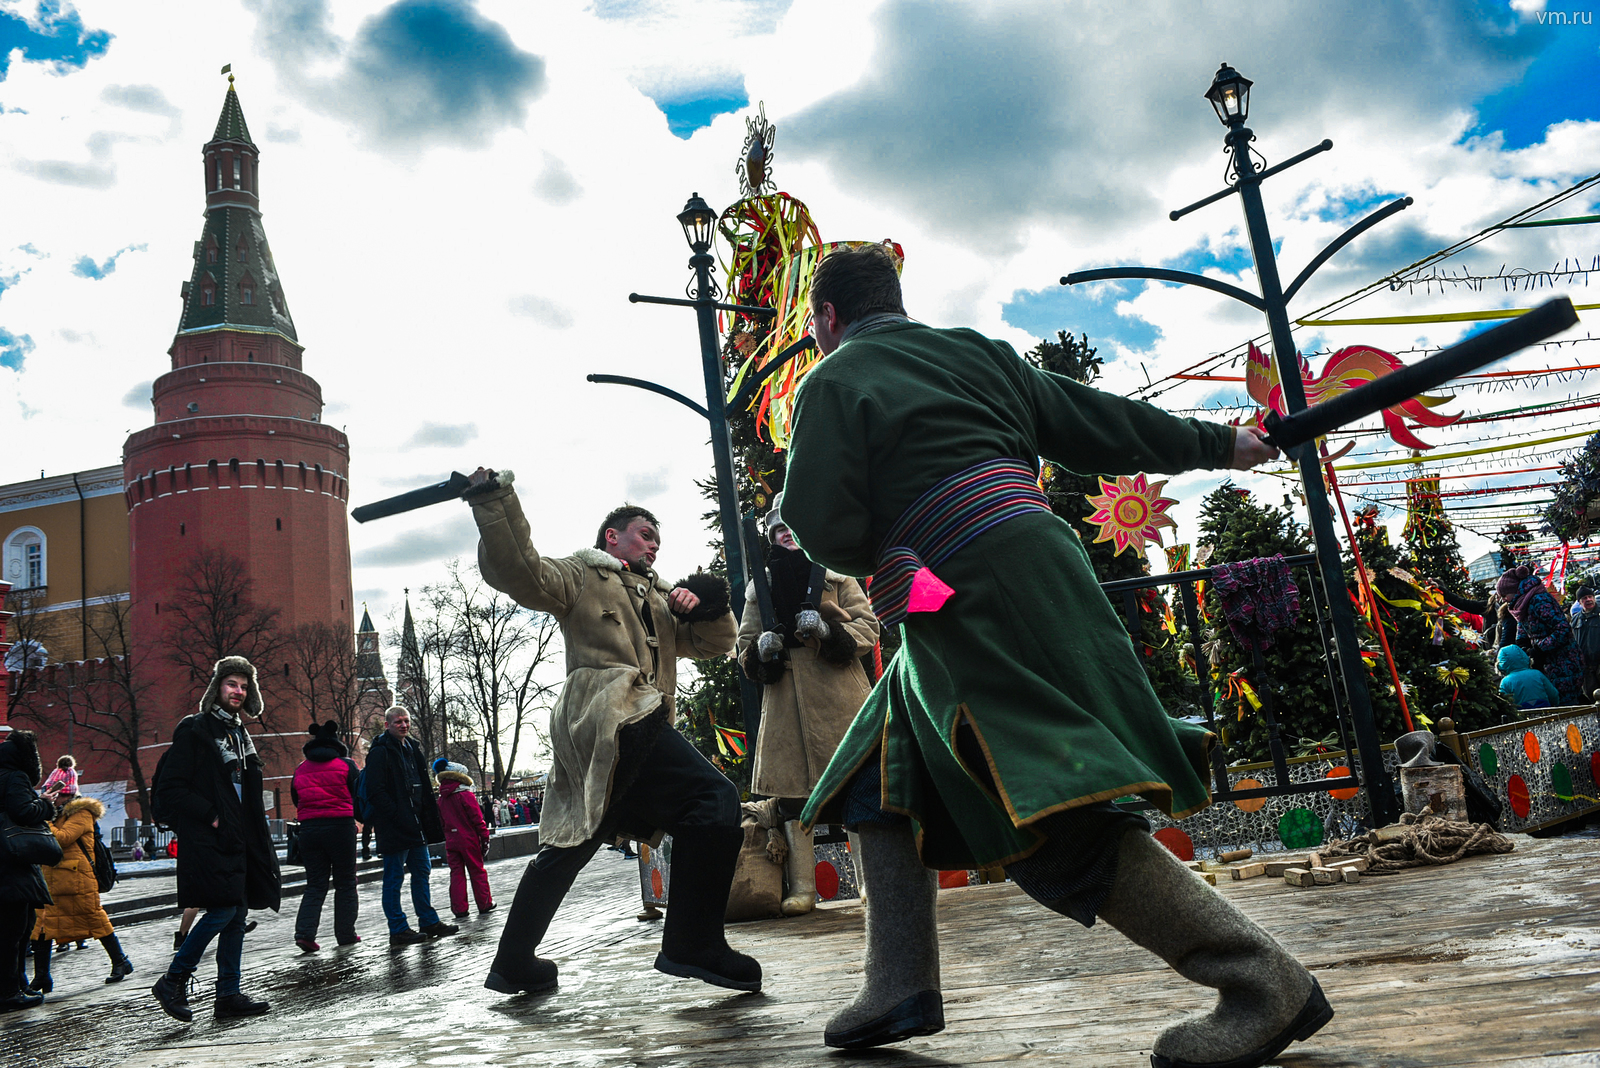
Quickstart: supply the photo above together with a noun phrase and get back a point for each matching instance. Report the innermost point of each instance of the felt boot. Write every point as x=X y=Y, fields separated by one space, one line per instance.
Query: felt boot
x=800 y=871
x=701 y=877
x=900 y=998
x=41 y=967
x=517 y=967
x=1267 y=999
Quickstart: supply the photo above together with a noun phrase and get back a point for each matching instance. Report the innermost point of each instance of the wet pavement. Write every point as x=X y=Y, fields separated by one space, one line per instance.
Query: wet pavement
x=1494 y=961
x=86 y=1023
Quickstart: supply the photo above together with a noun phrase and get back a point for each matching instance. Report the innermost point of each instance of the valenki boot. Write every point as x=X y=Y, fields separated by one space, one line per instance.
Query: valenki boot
x=800 y=871
x=517 y=967
x=693 y=945
x=1266 y=998
x=900 y=998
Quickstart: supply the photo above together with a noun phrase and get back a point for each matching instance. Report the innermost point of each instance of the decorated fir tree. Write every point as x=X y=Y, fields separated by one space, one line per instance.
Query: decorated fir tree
x=1430 y=548
x=1575 y=504
x=1443 y=674
x=1512 y=543
x=1161 y=637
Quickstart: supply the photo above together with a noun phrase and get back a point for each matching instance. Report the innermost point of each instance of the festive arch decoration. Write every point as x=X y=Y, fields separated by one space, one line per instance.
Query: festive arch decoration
x=1345 y=370
x=1130 y=512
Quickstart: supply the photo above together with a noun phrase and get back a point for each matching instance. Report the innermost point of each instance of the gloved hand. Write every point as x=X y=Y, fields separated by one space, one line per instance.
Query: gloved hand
x=808 y=623
x=769 y=645
x=486 y=848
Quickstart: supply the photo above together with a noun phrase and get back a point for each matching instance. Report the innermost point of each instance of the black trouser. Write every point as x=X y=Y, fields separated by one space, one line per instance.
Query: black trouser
x=328 y=847
x=1071 y=872
x=674 y=788
x=16 y=924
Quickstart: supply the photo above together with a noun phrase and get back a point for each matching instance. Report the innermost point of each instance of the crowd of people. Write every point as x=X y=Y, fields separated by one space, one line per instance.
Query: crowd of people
x=1012 y=717
x=207 y=789
x=1547 y=657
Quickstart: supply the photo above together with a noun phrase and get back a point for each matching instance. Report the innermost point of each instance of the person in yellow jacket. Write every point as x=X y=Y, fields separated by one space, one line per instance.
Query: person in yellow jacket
x=75 y=913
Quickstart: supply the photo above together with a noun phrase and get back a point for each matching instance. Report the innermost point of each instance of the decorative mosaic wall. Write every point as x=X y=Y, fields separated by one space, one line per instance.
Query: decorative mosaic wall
x=1267 y=824
x=1545 y=771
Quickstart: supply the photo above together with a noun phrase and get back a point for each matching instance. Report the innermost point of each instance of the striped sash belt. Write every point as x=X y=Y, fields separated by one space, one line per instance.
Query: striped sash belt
x=938 y=524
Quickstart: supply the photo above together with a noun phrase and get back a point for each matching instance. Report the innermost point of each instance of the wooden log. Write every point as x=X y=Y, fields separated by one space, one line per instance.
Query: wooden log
x=1236 y=854
x=1276 y=868
x=1349 y=875
x=1299 y=877
x=1324 y=876
x=1209 y=876
x=1249 y=871
x=1354 y=863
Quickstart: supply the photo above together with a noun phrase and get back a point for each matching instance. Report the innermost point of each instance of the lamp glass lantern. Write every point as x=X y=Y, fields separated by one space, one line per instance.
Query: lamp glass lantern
x=1230 y=95
x=697 y=219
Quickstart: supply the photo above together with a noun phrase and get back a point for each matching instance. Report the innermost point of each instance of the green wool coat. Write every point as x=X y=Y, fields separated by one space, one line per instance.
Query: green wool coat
x=1028 y=651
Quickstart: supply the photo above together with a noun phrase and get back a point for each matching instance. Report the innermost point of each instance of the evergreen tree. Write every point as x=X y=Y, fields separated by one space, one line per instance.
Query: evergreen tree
x=1431 y=549
x=1161 y=635
x=1442 y=674
x=1572 y=509
x=1512 y=543
x=1294 y=672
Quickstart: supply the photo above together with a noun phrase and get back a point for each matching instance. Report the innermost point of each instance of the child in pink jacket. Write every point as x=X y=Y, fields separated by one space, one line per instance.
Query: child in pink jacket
x=65 y=773
x=466 y=837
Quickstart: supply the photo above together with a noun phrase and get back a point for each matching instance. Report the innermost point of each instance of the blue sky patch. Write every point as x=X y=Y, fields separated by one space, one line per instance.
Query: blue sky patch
x=686 y=116
x=14 y=349
x=1559 y=85
x=1355 y=207
x=87 y=268
x=1088 y=308
x=1231 y=260
x=61 y=39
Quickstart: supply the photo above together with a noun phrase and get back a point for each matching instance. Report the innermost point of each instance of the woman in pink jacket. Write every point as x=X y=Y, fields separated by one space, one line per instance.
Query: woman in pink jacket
x=466 y=837
x=323 y=792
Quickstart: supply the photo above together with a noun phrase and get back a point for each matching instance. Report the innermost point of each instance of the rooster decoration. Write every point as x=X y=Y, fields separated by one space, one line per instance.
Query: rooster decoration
x=1346 y=369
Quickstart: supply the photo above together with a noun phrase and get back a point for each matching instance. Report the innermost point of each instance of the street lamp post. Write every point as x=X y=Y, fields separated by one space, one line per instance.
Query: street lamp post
x=1229 y=95
x=699 y=227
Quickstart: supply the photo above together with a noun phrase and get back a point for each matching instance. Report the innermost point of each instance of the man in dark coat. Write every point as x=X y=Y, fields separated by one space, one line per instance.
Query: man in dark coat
x=209 y=791
x=22 y=888
x=1586 y=626
x=402 y=808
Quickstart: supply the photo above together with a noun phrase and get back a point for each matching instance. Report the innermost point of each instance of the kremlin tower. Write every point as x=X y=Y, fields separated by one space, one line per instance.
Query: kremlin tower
x=238 y=458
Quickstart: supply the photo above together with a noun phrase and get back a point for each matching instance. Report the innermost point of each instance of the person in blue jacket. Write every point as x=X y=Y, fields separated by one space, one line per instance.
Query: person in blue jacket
x=1522 y=682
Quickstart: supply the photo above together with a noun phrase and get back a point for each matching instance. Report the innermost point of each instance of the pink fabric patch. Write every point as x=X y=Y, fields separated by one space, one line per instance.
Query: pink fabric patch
x=928 y=592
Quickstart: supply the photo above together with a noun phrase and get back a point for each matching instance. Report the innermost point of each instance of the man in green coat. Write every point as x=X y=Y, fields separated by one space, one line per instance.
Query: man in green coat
x=1016 y=710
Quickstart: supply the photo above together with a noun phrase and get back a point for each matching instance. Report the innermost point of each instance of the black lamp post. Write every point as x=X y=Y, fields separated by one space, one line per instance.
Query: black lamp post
x=1229 y=95
x=699 y=229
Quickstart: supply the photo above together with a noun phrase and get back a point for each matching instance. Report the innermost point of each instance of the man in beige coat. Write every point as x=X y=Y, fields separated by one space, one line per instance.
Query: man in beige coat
x=618 y=768
x=813 y=685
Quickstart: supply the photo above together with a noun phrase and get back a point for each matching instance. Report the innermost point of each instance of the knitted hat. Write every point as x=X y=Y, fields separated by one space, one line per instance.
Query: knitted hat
x=1510 y=582
x=440 y=764
x=324 y=735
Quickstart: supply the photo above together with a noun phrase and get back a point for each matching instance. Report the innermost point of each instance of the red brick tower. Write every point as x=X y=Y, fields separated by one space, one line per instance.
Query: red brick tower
x=238 y=457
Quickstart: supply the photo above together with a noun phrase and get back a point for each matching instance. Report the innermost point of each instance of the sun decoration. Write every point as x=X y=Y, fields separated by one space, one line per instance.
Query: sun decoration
x=1129 y=512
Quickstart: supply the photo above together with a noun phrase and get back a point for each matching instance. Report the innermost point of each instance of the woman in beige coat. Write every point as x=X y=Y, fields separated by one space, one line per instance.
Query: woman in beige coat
x=813 y=684
x=75 y=914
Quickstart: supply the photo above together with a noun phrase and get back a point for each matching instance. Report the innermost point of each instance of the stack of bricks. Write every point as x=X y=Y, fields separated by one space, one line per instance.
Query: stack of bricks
x=1298 y=869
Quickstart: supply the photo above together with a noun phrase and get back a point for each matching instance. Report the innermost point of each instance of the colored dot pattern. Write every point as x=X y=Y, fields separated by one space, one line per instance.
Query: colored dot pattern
x=1250 y=804
x=1348 y=792
x=827 y=880
x=1182 y=845
x=1530 y=746
x=1517 y=792
x=1299 y=828
x=1561 y=782
x=1488 y=760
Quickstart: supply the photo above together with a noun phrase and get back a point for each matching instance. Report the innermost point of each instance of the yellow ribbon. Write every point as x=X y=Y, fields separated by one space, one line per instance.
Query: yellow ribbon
x=1437 y=317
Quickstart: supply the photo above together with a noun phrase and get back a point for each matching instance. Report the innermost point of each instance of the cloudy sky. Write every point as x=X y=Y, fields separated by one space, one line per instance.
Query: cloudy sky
x=461 y=195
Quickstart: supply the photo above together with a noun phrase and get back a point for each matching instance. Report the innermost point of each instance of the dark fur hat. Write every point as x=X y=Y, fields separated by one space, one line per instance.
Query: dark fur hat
x=235 y=665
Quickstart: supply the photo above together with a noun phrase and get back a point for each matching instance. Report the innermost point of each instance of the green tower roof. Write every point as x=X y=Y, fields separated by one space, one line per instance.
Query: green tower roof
x=230 y=124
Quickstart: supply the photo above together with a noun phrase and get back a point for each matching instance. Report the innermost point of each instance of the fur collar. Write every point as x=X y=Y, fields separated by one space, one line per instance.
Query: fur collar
x=604 y=561
x=459 y=777
x=82 y=804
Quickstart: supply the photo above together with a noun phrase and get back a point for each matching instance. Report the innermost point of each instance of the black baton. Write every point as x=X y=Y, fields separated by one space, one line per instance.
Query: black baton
x=448 y=490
